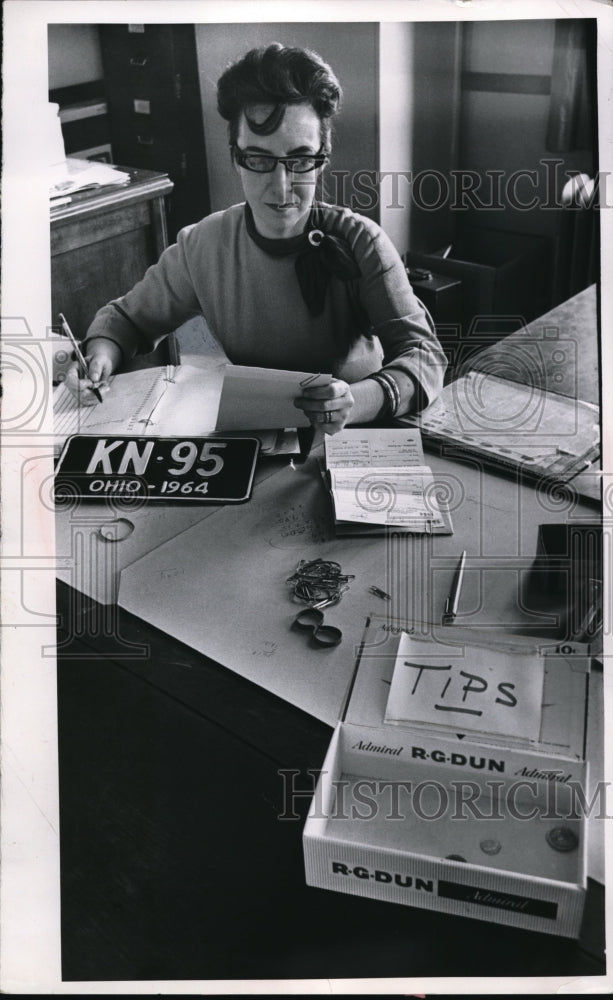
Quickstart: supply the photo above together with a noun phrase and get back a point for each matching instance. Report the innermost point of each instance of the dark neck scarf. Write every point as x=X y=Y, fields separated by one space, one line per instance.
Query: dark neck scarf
x=320 y=255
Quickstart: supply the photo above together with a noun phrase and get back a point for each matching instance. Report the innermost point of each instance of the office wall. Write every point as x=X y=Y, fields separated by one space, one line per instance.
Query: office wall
x=506 y=103
x=352 y=51
x=434 y=82
x=419 y=97
x=396 y=116
x=74 y=55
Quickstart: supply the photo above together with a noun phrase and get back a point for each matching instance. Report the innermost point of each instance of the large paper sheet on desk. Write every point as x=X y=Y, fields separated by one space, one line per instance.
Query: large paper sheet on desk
x=220 y=586
x=92 y=547
x=91 y=550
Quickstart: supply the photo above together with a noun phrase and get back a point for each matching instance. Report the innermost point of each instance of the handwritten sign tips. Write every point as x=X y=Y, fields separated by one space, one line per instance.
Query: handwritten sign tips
x=468 y=687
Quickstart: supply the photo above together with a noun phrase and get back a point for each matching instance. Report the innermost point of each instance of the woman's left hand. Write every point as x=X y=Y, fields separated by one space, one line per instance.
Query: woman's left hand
x=327 y=406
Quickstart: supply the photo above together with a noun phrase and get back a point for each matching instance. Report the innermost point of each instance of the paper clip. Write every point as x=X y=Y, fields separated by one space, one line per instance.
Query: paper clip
x=319 y=580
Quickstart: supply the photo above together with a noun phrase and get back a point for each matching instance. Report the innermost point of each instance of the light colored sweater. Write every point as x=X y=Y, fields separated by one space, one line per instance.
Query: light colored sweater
x=253 y=305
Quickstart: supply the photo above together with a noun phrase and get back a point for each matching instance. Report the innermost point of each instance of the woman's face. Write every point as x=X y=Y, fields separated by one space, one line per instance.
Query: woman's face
x=280 y=201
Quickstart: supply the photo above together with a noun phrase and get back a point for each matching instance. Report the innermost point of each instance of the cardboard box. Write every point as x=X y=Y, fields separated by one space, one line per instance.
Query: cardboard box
x=467 y=823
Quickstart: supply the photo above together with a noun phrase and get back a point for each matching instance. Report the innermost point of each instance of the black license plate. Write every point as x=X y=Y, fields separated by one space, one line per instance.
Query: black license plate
x=197 y=470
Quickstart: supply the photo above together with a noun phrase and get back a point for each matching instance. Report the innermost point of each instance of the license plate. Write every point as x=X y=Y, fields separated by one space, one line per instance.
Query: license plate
x=197 y=470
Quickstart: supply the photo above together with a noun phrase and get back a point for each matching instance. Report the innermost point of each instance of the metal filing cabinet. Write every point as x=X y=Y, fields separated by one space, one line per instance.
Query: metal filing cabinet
x=153 y=95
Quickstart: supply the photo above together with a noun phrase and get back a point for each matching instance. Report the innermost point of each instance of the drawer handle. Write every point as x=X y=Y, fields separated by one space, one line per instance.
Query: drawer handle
x=143 y=141
x=135 y=61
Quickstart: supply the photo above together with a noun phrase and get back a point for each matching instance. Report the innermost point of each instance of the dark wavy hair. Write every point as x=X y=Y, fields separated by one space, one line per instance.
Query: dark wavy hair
x=278 y=75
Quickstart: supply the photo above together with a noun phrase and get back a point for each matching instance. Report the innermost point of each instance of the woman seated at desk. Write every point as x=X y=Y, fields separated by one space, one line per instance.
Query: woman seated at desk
x=285 y=281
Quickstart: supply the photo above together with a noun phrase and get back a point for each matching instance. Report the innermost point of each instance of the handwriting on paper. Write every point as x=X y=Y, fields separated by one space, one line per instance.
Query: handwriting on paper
x=298 y=525
x=371 y=447
x=466 y=683
x=490 y=690
x=171 y=573
x=266 y=648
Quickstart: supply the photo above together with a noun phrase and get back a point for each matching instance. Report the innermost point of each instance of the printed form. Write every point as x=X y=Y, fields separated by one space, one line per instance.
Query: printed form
x=377 y=477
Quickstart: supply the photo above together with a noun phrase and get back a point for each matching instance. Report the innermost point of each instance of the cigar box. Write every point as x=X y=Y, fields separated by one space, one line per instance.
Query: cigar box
x=456 y=779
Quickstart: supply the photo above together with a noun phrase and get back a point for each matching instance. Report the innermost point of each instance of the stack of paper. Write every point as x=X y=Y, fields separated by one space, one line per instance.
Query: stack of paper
x=515 y=426
x=72 y=175
x=378 y=480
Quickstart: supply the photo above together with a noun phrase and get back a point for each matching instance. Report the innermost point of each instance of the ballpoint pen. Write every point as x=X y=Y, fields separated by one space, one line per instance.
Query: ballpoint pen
x=81 y=360
x=451 y=604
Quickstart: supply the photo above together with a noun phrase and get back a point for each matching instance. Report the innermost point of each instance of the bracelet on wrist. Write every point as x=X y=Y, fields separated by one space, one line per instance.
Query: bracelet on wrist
x=390 y=391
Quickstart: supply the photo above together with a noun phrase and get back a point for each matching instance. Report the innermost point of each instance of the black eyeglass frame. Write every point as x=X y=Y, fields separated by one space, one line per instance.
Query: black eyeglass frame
x=240 y=156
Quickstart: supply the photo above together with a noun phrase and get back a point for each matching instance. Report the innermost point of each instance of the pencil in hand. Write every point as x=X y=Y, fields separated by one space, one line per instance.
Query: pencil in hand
x=79 y=355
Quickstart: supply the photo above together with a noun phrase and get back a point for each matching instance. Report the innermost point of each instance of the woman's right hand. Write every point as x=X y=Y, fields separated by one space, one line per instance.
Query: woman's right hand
x=103 y=358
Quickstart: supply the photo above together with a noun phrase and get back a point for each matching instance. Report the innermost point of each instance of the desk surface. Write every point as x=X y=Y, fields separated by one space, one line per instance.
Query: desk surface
x=174 y=862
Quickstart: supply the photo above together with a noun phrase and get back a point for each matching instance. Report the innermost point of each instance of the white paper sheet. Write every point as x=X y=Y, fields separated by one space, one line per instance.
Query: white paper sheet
x=74 y=174
x=471 y=687
x=228 y=598
x=252 y=398
x=387 y=496
x=371 y=446
x=162 y=401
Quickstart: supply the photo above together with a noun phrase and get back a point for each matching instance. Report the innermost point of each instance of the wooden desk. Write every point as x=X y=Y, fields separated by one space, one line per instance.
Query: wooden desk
x=103 y=242
x=174 y=862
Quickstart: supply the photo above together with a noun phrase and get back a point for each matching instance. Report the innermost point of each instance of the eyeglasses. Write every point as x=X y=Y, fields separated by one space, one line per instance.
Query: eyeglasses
x=263 y=163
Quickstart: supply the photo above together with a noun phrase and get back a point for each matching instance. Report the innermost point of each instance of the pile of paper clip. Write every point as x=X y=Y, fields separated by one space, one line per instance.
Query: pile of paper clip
x=318 y=581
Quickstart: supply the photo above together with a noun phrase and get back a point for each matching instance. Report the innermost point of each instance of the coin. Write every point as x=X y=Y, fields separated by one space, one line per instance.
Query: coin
x=490 y=846
x=562 y=838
